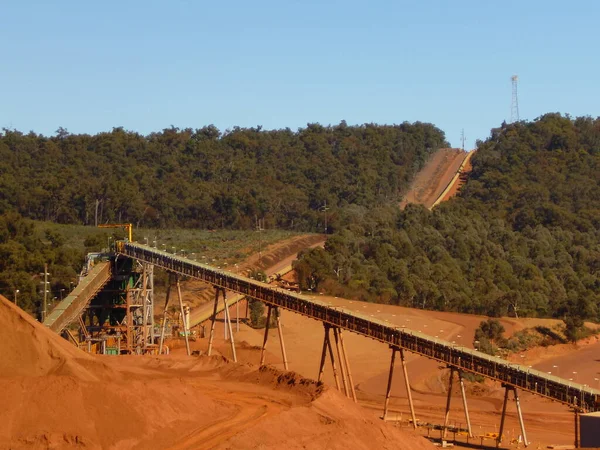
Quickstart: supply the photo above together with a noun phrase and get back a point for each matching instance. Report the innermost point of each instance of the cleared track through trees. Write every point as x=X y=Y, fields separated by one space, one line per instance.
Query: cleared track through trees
x=574 y=395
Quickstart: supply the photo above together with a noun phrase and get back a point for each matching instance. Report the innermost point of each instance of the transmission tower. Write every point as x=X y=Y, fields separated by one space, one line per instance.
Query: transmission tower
x=514 y=105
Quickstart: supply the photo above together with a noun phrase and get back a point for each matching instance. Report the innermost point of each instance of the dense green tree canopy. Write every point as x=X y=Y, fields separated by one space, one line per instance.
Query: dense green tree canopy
x=207 y=179
x=522 y=238
x=22 y=258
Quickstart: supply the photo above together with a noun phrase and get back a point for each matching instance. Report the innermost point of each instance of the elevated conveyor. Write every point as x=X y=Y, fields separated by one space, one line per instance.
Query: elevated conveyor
x=205 y=312
x=69 y=309
x=540 y=383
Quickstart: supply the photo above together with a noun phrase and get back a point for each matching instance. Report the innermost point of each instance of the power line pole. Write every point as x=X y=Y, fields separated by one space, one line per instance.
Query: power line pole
x=45 y=283
x=514 y=105
x=324 y=208
x=260 y=226
x=462 y=139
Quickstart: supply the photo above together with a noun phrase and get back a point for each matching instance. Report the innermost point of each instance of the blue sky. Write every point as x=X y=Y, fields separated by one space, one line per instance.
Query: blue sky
x=147 y=65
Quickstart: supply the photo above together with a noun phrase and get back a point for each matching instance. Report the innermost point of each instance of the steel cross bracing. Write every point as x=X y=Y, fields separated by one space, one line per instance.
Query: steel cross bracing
x=575 y=395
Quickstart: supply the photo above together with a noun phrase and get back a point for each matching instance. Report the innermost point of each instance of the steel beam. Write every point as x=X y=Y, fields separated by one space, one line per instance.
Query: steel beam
x=183 y=321
x=341 y=360
x=228 y=324
x=264 y=346
x=408 y=392
x=448 y=400
x=280 y=331
x=577 y=422
x=347 y=363
x=501 y=430
x=213 y=321
x=323 y=352
x=333 y=366
x=164 y=322
x=521 y=422
x=464 y=399
x=389 y=385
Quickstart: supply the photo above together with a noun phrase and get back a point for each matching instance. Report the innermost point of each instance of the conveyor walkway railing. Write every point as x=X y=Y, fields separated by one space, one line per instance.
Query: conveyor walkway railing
x=573 y=394
x=72 y=305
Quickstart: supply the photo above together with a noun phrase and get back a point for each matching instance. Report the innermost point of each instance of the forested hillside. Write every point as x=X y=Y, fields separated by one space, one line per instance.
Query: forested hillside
x=522 y=238
x=207 y=179
x=23 y=253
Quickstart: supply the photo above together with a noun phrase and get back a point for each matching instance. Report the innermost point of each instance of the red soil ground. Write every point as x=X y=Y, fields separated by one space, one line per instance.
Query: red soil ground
x=55 y=396
x=546 y=422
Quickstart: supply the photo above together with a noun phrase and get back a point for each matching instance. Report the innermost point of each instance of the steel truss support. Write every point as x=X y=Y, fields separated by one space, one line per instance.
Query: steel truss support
x=326 y=348
x=213 y=321
x=264 y=346
x=464 y=401
x=140 y=309
x=226 y=322
x=186 y=332
x=389 y=385
x=448 y=400
x=576 y=417
x=408 y=392
x=164 y=320
x=263 y=354
x=347 y=364
x=228 y=325
x=280 y=331
x=323 y=353
x=406 y=384
x=341 y=360
x=520 y=415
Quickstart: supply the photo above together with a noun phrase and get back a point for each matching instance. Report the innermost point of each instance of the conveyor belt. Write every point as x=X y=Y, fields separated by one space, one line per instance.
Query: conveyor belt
x=68 y=309
x=540 y=383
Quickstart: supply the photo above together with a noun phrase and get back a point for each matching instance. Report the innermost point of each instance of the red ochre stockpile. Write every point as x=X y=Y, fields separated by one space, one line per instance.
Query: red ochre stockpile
x=55 y=396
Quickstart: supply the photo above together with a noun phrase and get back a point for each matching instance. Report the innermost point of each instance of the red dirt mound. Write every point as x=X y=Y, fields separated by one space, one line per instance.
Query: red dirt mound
x=30 y=349
x=55 y=396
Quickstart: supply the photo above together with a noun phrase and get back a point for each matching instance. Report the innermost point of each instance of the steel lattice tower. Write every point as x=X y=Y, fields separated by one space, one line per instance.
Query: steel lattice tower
x=514 y=105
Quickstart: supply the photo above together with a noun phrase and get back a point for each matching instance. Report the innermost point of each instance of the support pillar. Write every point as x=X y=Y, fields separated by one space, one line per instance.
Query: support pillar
x=185 y=330
x=519 y=413
x=501 y=430
x=237 y=316
x=447 y=416
x=333 y=366
x=264 y=346
x=228 y=324
x=350 y=380
x=164 y=322
x=280 y=331
x=521 y=422
x=341 y=361
x=576 y=417
x=389 y=385
x=323 y=352
x=144 y=306
x=465 y=407
x=213 y=321
x=408 y=392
